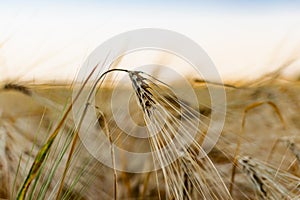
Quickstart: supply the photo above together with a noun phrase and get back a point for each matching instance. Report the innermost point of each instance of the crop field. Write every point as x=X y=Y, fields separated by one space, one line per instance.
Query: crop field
x=43 y=155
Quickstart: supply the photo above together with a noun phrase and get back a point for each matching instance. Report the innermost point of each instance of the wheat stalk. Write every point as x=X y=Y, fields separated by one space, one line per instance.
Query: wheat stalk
x=270 y=182
x=41 y=156
x=169 y=123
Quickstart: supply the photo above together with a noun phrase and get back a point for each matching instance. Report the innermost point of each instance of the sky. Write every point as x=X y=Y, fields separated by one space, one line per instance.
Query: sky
x=51 y=39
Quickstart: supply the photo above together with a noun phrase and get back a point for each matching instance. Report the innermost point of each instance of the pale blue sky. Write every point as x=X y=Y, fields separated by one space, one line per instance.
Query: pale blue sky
x=191 y=5
x=51 y=39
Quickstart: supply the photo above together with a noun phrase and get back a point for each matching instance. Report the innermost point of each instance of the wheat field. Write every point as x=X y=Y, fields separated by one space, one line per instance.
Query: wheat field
x=256 y=157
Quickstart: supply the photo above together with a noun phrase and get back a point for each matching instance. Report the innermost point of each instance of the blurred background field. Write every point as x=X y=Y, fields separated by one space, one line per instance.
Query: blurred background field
x=26 y=121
